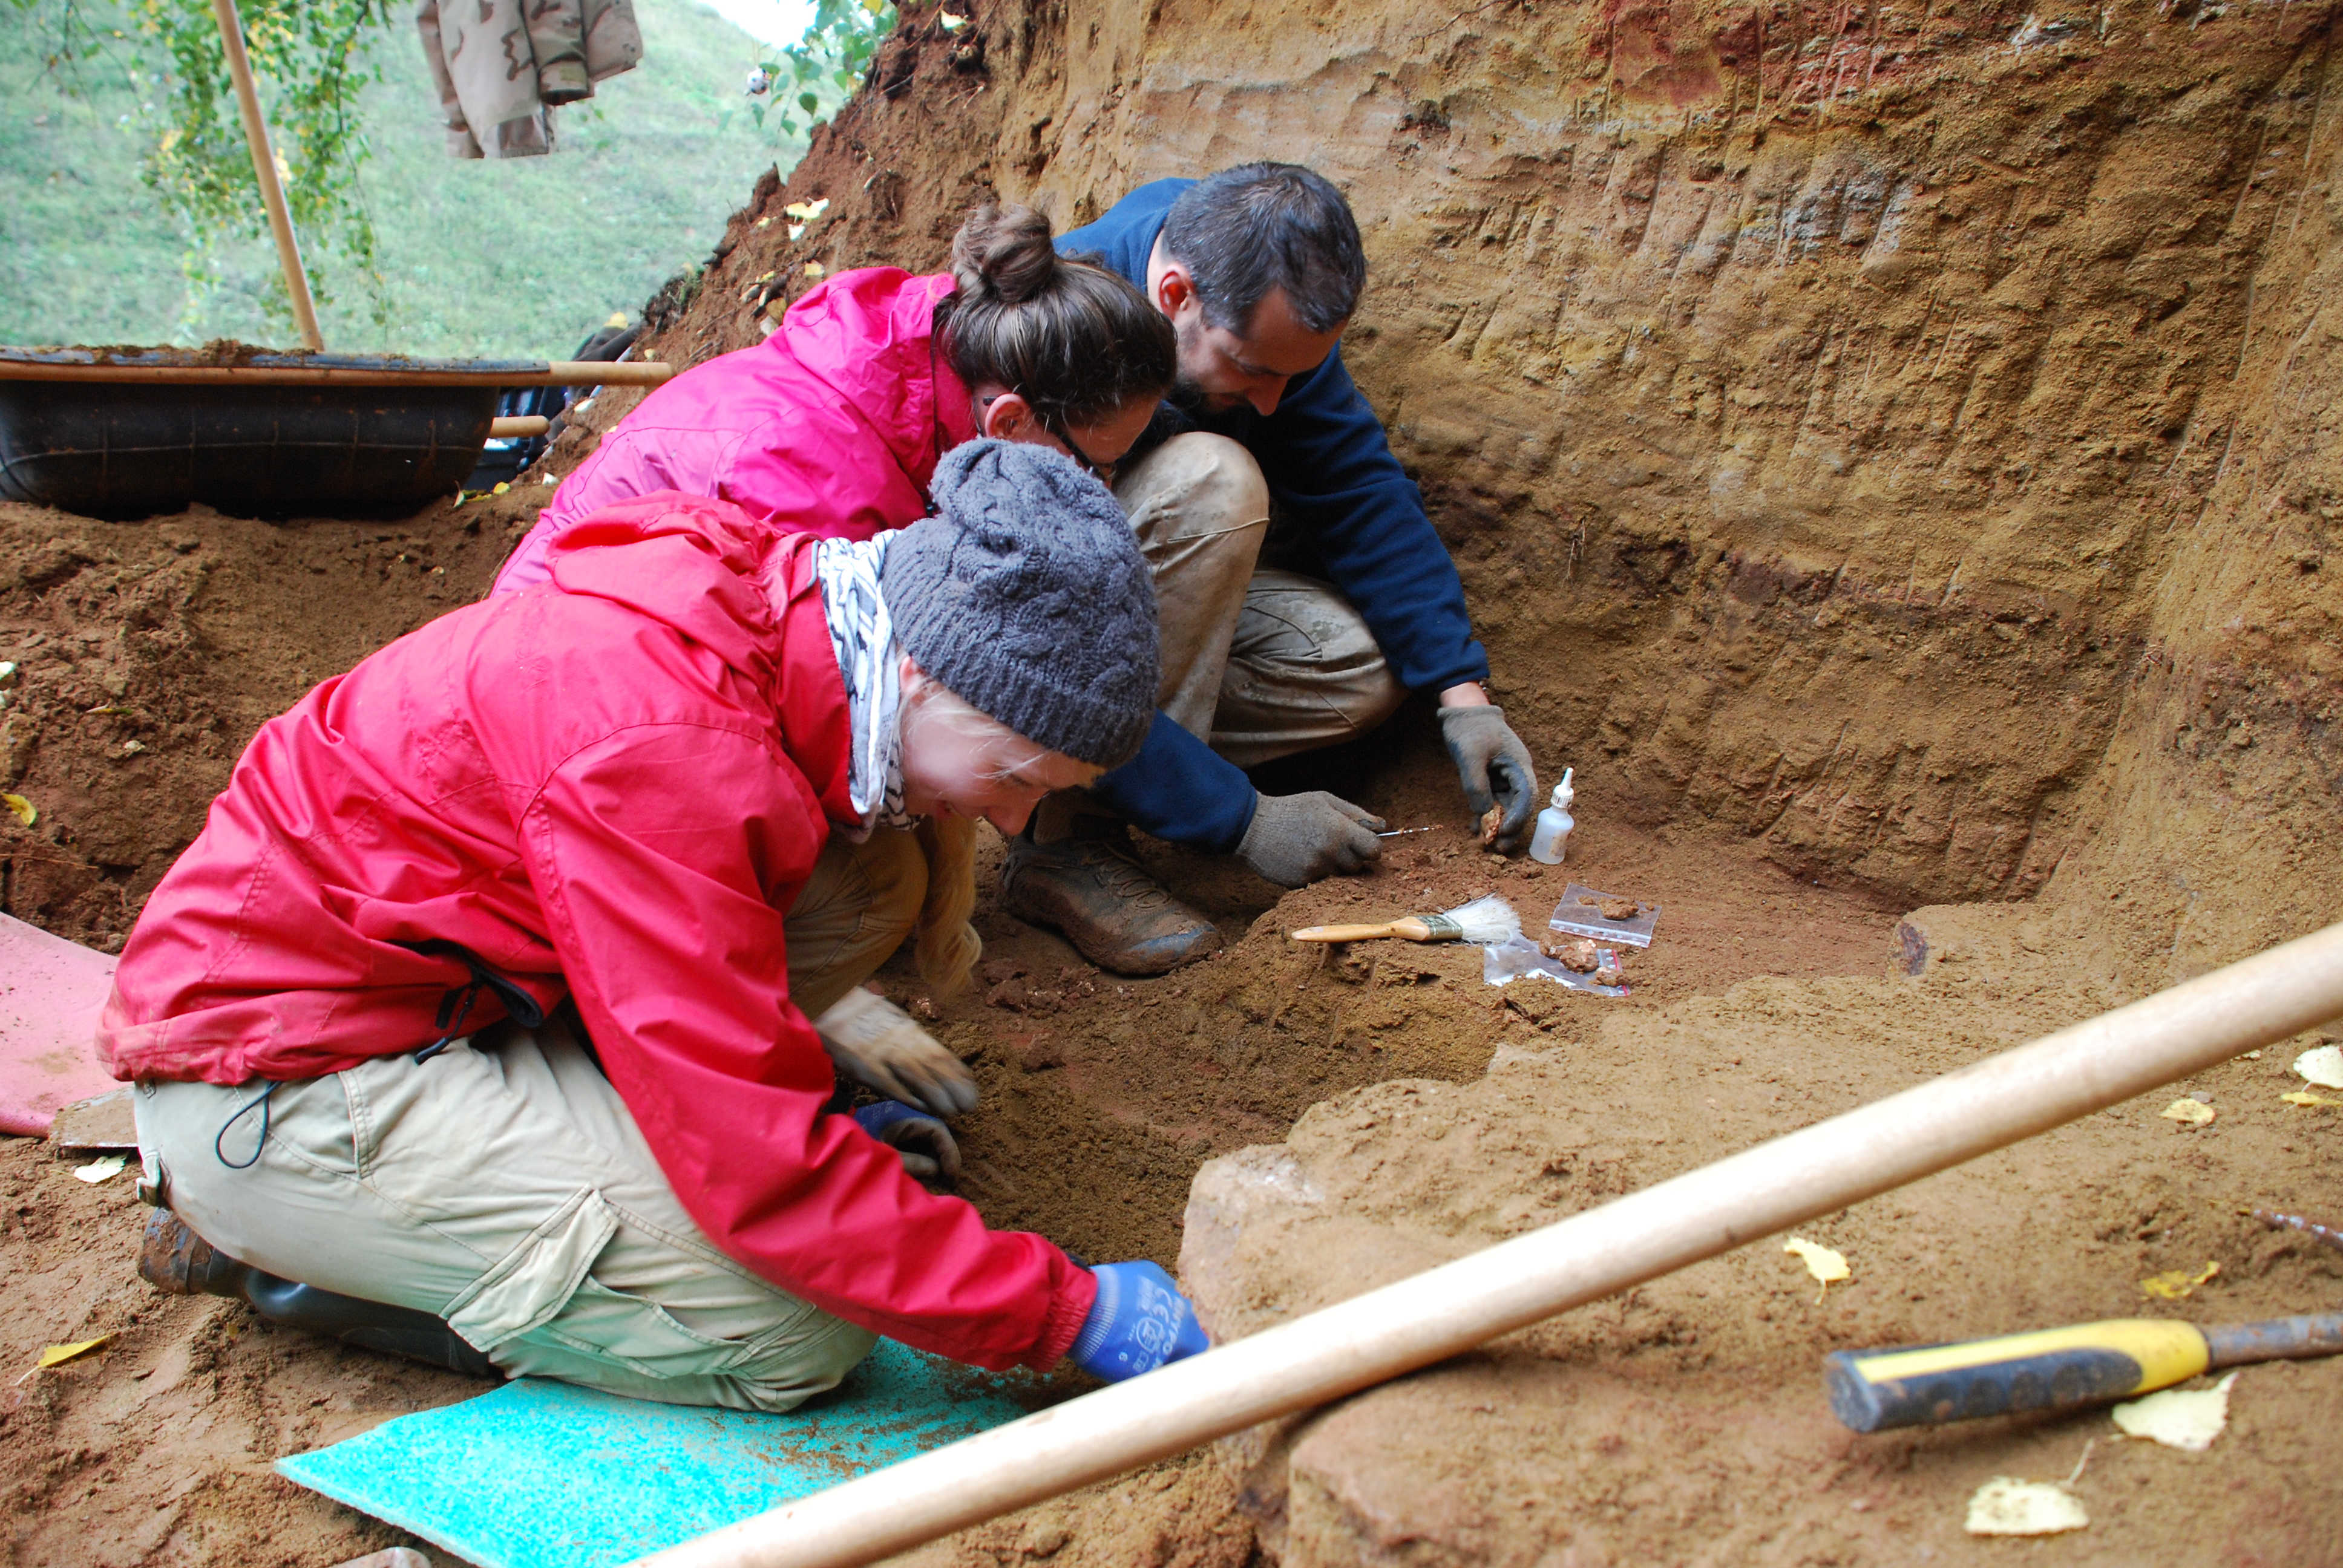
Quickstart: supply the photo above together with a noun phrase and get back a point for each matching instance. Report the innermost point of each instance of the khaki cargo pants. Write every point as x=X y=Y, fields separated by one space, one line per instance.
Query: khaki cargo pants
x=1259 y=664
x=503 y=1186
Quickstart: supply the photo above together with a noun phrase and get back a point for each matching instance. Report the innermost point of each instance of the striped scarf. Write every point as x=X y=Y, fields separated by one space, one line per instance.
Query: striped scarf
x=862 y=634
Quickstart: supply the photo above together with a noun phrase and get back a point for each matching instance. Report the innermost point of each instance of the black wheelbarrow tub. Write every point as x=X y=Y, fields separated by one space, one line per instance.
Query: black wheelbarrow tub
x=256 y=448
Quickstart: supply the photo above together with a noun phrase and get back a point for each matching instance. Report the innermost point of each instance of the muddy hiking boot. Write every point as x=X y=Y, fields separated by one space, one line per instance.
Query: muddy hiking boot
x=1089 y=888
x=173 y=1259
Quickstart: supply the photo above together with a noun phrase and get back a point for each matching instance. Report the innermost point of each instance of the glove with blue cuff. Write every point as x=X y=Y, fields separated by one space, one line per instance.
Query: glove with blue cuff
x=1139 y=1322
x=926 y=1144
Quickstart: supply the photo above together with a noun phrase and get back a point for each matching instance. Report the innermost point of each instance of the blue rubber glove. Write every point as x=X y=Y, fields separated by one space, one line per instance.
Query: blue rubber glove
x=926 y=1144
x=1139 y=1322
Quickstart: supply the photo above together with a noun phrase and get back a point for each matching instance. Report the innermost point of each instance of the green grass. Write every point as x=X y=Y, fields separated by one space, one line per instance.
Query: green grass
x=518 y=257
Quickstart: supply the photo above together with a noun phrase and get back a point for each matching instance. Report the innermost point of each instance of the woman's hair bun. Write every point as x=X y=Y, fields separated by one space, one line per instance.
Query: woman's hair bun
x=1003 y=254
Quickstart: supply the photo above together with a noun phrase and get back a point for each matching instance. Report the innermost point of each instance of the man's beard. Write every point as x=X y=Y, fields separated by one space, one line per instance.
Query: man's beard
x=1185 y=394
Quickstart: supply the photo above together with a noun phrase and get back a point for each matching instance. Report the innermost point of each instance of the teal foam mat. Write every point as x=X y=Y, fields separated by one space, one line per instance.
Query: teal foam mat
x=543 y=1475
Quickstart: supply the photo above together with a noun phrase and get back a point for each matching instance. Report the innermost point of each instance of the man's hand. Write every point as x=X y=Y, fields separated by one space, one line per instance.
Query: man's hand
x=875 y=1043
x=1495 y=767
x=1295 y=839
x=926 y=1144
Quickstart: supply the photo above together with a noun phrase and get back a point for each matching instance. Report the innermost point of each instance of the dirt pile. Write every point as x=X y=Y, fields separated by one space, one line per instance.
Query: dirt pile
x=148 y=653
x=1686 y=1420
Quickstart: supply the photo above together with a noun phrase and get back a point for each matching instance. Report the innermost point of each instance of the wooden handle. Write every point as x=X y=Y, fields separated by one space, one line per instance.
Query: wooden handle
x=1409 y=927
x=1346 y=933
x=506 y=427
x=264 y=169
x=600 y=373
x=1324 y=1355
x=558 y=373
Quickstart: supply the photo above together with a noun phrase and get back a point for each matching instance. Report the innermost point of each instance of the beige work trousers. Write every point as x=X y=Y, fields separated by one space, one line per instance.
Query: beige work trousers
x=504 y=1186
x=1258 y=664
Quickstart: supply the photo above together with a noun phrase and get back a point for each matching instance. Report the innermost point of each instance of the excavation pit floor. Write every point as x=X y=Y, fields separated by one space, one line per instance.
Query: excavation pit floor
x=1682 y=1423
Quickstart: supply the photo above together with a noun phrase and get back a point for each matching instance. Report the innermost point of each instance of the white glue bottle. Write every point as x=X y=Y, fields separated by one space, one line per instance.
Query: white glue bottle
x=1554 y=825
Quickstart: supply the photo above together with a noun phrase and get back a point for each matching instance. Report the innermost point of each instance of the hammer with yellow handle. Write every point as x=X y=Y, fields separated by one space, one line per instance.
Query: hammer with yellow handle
x=2056 y=1369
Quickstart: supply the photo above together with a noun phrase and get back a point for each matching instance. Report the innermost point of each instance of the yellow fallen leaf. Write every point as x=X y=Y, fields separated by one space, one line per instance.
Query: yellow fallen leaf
x=2194 y=1112
x=502 y=486
x=27 y=812
x=2179 y=1418
x=2304 y=1097
x=1821 y=1263
x=2174 y=1284
x=2009 y=1507
x=816 y=269
x=104 y=1170
x=952 y=24
x=2322 y=1066
x=617 y=319
x=807 y=211
x=57 y=1356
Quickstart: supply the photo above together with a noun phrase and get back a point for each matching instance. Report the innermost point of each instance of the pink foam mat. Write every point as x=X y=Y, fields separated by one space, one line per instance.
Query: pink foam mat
x=50 y=993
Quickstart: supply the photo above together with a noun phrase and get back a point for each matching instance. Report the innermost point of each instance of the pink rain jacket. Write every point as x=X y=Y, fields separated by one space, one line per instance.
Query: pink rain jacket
x=611 y=787
x=832 y=426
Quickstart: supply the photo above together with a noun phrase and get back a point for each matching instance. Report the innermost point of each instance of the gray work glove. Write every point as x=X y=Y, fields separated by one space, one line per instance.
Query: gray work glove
x=928 y=1149
x=875 y=1043
x=1495 y=769
x=1295 y=839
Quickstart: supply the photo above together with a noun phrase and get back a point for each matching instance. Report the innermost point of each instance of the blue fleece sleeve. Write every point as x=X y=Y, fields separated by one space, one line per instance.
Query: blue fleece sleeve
x=1330 y=468
x=1123 y=236
x=1180 y=789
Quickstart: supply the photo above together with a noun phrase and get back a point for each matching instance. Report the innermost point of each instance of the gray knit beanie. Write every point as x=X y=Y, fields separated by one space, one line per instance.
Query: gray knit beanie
x=1027 y=597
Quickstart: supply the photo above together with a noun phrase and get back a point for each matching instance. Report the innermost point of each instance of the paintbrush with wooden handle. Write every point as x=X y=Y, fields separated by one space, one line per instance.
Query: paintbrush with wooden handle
x=1489 y=919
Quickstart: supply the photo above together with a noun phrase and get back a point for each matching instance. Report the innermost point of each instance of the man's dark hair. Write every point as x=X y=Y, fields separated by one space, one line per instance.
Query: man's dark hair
x=1258 y=226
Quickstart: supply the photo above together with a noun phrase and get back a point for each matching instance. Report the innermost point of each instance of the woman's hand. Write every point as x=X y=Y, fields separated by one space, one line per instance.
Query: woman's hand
x=875 y=1043
x=930 y=1151
x=1138 y=1322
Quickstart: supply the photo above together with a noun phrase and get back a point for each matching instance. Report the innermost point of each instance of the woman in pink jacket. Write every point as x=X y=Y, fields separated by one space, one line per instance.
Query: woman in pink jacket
x=833 y=425
x=360 y=1095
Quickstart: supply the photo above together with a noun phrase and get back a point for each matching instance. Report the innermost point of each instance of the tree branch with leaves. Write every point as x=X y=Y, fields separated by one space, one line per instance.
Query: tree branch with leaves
x=314 y=61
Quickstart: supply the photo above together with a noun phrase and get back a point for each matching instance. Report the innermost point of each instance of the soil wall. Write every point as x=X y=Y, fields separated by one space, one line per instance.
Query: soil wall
x=1889 y=432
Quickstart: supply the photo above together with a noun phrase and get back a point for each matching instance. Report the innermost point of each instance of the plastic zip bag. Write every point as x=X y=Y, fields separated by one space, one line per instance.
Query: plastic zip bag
x=1502 y=963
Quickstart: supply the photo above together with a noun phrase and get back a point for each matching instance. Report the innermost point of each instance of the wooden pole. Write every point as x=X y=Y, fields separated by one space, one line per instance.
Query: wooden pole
x=507 y=426
x=1326 y=1354
x=264 y=168
x=560 y=373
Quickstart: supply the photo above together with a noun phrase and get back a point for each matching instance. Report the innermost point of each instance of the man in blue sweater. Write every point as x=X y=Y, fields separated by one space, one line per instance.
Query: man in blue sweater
x=1259 y=269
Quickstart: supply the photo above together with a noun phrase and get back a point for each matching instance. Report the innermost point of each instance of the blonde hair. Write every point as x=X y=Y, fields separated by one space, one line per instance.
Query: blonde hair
x=944 y=945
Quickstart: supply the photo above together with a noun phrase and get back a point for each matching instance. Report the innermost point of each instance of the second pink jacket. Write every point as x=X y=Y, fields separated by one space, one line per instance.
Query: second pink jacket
x=832 y=426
